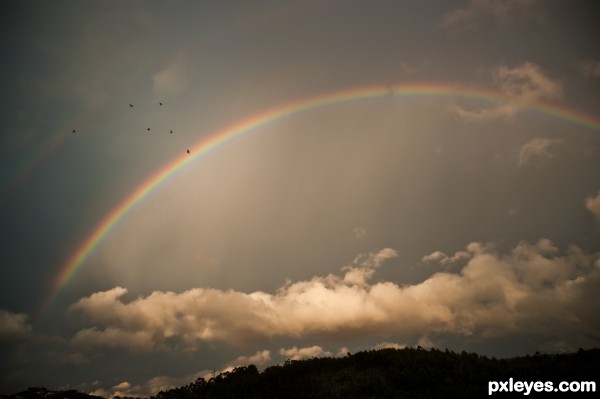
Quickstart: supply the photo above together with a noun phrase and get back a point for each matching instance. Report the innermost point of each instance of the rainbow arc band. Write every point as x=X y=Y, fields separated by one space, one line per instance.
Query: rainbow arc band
x=260 y=119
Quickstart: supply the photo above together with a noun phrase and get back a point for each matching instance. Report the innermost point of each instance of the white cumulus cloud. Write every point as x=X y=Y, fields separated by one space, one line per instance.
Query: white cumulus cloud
x=521 y=292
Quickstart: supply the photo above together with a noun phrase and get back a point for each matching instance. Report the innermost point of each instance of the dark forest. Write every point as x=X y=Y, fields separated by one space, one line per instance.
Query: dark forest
x=385 y=373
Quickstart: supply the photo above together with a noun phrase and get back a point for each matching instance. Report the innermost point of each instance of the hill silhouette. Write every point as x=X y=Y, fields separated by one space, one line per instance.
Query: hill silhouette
x=384 y=373
x=391 y=373
x=43 y=393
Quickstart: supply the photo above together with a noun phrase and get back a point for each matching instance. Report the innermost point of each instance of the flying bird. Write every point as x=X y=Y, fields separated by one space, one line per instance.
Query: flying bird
x=160 y=104
x=188 y=151
x=74 y=131
x=148 y=129
x=171 y=131
x=130 y=105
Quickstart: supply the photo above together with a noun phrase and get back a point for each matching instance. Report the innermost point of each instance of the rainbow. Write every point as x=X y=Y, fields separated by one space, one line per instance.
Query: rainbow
x=260 y=119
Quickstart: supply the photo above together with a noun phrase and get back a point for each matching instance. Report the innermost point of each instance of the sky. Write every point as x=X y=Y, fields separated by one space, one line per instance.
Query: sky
x=360 y=175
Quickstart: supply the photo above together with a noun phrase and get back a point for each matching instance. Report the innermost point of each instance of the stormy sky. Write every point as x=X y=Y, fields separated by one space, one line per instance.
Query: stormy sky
x=463 y=213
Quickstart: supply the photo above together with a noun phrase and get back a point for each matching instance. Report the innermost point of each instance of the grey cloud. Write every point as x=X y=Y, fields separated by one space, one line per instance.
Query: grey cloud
x=75 y=358
x=14 y=326
x=166 y=382
x=359 y=233
x=524 y=86
x=122 y=389
x=589 y=68
x=173 y=79
x=296 y=353
x=592 y=203
x=527 y=83
x=435 y=256
x=259 y=358
x=111 y=337
x=390 y=345
x=459 y=257
x=426 y=342
x=479 y=13
x=375 y=260
x=147 y=389
x=539 y=149
x=512 y=212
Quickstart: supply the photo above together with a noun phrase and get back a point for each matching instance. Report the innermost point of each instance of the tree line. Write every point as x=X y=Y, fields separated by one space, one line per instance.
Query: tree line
x=391 y=373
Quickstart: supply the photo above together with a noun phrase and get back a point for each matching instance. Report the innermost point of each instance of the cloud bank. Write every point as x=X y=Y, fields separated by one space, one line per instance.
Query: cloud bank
x=523 y=292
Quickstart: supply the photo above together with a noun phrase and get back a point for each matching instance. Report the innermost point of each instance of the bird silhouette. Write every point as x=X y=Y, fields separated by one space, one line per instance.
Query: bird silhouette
x=74 y=131
x=160 y=104
x=148 y=129
x=188 y=151
x=130 y=105
x=171 y=131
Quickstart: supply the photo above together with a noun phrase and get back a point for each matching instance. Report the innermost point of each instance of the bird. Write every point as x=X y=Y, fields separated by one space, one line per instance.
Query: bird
x=188 y=151
x=74 y=131
x=148 y=129
x=160 y=104
x=130 y=105
x=171 y=131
